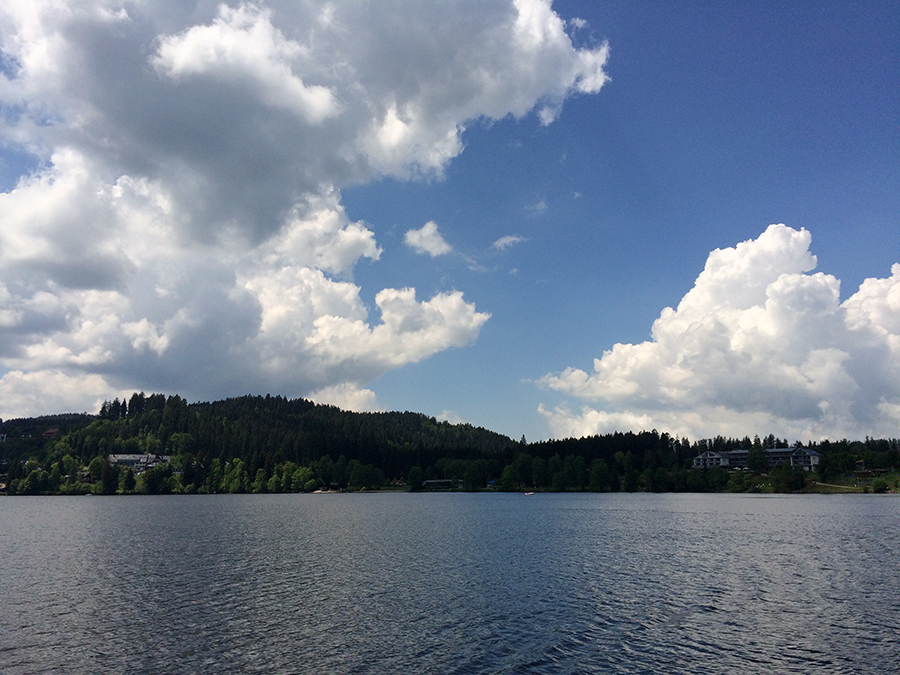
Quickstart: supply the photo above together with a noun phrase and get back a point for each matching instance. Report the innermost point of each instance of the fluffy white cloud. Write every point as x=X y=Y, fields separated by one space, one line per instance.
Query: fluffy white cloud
x=48 y=390
x=347 y=397
x=184 y=230
x=757 y=345
x=241 y=47
x=410 y=331
x=427 y=239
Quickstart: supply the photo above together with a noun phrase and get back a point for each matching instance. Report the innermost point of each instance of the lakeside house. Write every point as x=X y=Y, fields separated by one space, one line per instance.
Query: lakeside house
x=138 y=463
x=804 y=458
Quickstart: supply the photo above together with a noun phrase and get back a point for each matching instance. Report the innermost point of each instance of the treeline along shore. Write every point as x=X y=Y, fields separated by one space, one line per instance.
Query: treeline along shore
x=157 y=444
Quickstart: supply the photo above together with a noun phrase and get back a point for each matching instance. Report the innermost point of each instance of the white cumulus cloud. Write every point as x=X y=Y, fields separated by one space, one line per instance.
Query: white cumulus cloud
x=184 y=228
x=347 y=396
x=759 y=344
x=428 y=240
x=243 y=48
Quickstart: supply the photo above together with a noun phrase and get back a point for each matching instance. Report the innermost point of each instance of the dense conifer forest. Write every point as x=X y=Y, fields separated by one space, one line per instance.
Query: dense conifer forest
x=273 y=444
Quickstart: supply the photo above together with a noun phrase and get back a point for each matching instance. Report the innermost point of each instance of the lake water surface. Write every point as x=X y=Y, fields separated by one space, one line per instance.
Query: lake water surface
x=450 y=583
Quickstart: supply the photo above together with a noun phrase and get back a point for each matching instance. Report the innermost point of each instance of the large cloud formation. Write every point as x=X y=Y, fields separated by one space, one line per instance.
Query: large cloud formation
x=758 y=345
x=183 y=230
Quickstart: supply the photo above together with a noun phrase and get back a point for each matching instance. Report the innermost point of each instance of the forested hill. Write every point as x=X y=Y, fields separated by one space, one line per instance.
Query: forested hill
x=275 y=444
x=261 y=432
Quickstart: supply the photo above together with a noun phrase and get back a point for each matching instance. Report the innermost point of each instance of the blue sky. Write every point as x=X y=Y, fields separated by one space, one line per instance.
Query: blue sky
x=237 y=204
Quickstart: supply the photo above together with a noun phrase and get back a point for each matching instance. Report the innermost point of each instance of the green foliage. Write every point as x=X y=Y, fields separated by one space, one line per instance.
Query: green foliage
x=476 y=476
x=879 y=485
x=630 y=484
x=539 y=472
x=757 y=459
x=235 y=479
x=363 y=476
x=260 y=482
x=109 y=478
x=156 y=481
x=576 y=471
x=524 y=465
x=659 y=480
x=741 y=481
x=696 y=481
x=601 y=479
x=415 y=478
x=787 y=479
x=300 y=478
x=96 y=468
x=716 y=478
x=273 y=444
x=129 y=483
x=36 y=482
x=509 y=479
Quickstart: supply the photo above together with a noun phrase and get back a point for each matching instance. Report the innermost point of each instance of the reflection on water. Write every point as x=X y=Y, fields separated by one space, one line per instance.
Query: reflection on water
x=450 y=583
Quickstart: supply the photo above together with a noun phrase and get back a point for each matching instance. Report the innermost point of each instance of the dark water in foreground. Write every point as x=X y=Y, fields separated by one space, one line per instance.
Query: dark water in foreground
x=450 y=583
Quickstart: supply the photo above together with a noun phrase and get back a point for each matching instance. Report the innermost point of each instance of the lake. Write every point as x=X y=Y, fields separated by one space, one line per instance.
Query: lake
x=450 y=583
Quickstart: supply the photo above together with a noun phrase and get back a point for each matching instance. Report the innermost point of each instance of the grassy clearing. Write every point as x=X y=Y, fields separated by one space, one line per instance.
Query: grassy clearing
x=888 y=483
x=833 y=488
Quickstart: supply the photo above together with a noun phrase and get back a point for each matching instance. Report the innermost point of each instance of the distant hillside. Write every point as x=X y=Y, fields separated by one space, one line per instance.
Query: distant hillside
x=275 y=444
x=260 y=432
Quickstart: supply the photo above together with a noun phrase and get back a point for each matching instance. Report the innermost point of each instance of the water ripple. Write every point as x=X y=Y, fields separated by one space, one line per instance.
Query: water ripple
x=483 y=583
